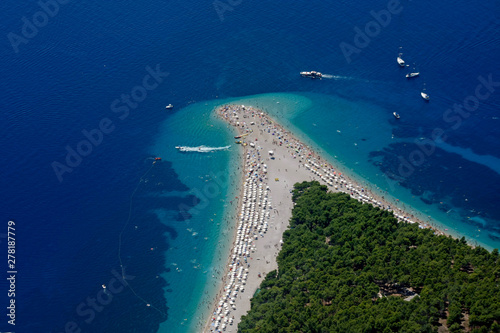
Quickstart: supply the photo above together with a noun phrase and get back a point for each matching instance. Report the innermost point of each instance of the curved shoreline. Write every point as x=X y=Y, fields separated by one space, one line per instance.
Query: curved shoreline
x=265 y=135
x=202 y=323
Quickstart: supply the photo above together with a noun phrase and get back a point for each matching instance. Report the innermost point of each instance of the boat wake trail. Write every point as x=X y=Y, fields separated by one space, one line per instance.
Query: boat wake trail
x=201 y=149
x=343 y=78
x=336 y=77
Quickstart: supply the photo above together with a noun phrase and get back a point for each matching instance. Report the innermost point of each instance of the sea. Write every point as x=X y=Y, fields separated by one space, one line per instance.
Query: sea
x=115 y=230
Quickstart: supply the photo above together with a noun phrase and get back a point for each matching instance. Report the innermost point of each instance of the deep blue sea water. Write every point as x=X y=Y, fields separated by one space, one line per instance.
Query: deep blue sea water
x=174 y=216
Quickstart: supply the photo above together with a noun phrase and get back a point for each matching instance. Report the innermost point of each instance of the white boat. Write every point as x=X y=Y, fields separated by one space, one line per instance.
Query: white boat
x=396 y=115
x=400 y=60
x=425 y=96
x=414 y=74
x=312 y=74
x=187 y=149
x=170 y=106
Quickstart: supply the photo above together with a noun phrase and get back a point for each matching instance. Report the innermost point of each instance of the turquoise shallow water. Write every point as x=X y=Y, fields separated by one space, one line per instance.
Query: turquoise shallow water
x=325 y=122
x=66 y=76
x=197 y=256
x=348 y=132
x=372 y=130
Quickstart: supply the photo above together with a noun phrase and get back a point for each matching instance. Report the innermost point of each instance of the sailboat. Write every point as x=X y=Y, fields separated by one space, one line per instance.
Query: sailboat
x=412 y=74
x=425 y=95
x=400 y=60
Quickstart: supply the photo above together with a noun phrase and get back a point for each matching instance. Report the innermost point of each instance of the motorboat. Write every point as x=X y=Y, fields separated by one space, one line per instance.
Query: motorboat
x=396 y=115
x=170 y=106
x=183 y=148
x=413 y=74
x=400 y=60
x=312 y=74
x=425 y=96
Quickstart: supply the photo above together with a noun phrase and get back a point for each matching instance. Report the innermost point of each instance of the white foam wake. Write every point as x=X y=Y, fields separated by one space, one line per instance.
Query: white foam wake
x=201 y=149
x=336 y=77
x=343 y=78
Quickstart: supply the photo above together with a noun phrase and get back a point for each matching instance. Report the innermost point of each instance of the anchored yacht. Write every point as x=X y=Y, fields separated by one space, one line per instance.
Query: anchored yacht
x=312 y=74
x=400 y=60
